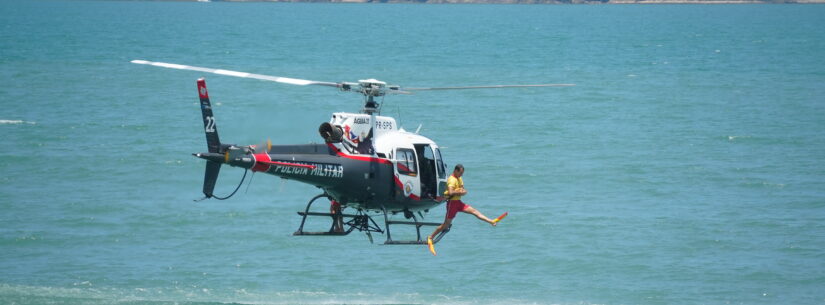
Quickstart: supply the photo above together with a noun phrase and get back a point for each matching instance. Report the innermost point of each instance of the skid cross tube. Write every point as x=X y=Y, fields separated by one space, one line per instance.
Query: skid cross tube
x=417 y=224
x=362 y=222
x=359 y=221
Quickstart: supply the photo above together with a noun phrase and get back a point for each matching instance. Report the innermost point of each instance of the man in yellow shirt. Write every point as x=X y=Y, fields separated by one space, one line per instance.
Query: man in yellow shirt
x=455 y=189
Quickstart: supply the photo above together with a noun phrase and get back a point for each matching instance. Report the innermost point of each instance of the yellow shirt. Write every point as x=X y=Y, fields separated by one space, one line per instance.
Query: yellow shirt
x=453 y=183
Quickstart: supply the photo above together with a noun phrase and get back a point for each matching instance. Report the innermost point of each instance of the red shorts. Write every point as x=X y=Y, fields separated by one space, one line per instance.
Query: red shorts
x=455 y=206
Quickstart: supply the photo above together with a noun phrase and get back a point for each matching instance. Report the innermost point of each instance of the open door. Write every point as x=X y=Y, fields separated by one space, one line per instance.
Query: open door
x=429 y=171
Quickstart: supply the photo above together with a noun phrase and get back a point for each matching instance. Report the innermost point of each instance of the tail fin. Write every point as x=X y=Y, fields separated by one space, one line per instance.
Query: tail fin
x=212 y=140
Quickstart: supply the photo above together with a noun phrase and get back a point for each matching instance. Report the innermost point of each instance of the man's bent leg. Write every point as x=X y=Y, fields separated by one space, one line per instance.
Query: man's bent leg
x=447 y=222
x=444 y=225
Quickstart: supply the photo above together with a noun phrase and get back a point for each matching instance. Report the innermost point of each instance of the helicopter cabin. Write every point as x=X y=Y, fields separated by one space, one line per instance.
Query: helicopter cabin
x=418 y=167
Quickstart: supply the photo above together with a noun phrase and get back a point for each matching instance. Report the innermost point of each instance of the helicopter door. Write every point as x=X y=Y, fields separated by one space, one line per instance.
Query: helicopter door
x=406 y=170
x=427 y=171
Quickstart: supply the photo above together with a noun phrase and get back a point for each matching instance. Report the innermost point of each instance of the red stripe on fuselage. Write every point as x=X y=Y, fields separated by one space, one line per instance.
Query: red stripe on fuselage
x=263 y=165
x=398 y=182
x=360 y=158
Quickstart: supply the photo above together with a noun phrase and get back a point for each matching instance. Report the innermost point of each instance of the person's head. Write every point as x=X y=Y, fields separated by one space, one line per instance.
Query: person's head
x=458 y=171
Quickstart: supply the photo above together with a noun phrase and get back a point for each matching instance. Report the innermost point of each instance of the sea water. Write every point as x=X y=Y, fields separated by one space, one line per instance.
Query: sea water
x=687 y=165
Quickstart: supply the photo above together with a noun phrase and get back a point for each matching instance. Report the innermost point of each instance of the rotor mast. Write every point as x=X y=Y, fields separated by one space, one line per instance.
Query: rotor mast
x=370 y=88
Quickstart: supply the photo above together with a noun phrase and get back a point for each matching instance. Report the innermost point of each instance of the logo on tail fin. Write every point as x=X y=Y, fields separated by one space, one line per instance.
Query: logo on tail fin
x=202 y=91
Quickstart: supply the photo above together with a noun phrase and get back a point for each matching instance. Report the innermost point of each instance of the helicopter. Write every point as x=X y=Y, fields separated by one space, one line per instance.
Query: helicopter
x=367 y=162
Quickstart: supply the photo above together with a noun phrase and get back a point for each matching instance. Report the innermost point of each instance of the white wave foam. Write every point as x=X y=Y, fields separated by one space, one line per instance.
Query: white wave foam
x=14 y=122
x=734 y=138
x=93 y=294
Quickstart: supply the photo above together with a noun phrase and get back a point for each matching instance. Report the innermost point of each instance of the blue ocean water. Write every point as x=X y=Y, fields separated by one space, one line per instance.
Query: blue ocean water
x=685 y=166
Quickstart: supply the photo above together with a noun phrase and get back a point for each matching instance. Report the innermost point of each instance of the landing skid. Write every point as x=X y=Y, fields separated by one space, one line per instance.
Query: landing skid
x=364 y=223
x=417 y=224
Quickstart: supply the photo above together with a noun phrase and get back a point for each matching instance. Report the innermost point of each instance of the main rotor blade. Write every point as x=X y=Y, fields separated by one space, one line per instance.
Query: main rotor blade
x=488 y=87
x=285 y=80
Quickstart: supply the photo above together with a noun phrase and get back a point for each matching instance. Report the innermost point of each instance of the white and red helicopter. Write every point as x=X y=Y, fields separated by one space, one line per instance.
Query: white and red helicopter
x=367 y=162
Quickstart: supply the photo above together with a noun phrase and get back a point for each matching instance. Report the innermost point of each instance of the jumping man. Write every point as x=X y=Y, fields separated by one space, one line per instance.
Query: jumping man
x=455 y=189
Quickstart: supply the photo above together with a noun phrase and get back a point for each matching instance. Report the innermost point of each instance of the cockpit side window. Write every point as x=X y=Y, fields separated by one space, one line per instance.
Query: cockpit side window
x=405 y=162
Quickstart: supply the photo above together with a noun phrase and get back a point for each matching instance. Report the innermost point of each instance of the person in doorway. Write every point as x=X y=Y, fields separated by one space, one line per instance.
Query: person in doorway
x=455 y=190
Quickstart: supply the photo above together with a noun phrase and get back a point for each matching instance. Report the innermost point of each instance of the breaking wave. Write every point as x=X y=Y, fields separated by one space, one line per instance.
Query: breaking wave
x=15 y=122
x=86 y=293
